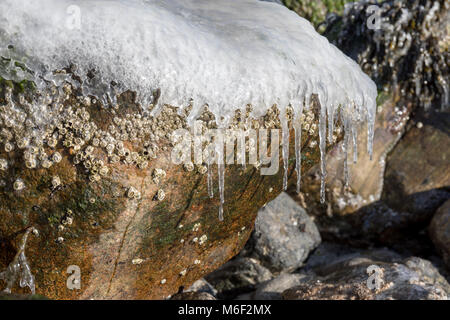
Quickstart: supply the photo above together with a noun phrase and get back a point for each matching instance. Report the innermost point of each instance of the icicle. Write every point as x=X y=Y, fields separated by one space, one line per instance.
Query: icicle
x=345 y=147
x=355 y=144
x=445 y=97
x=445 y=93
x=298 y=146
x=330 y=123
x=210 y=182
x=221 y=168
x=370 y=132
x=285 y=150
x=322 y=146
x=219 y=144
x=19 y=268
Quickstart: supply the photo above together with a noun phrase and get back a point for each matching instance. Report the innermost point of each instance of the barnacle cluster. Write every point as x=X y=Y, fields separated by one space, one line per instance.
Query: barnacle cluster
x=94 y=143
x=405 y=51
x=158 y=175
x=68 y=127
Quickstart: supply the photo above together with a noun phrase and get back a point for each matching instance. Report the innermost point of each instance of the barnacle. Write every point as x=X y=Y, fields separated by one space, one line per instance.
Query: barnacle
x=22 y=142
x=158 y=174
x=132 y=192
x=203 y=239
x=3 y=164
x=160 y=195
x=202 y=169
x=46 y=163
x=9 y=147
x=56 y=181
x=189 y=166
x=31 y=163
x=56 y=157
x=104 y=171
x=18 y=185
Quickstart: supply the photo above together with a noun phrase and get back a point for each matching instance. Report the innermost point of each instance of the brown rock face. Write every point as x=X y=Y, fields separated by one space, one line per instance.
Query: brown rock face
x=108 y=219
x=439 y=231
x=417 y=174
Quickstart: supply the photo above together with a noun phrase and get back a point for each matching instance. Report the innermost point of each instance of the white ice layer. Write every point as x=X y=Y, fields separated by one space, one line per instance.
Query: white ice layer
x=223 y=53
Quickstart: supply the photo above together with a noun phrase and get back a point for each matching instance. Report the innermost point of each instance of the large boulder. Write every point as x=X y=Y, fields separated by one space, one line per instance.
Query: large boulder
x=133 y=223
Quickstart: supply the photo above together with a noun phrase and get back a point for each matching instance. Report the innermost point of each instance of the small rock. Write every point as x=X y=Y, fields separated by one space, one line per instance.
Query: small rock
x=202 y=285
x=284 y=234
x=271 y=290
x=238 y=276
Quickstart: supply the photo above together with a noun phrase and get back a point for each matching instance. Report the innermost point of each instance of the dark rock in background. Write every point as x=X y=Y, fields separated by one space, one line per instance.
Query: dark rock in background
x=439 y=231
x=417 y=177
x=331 y=253
x=391 y=199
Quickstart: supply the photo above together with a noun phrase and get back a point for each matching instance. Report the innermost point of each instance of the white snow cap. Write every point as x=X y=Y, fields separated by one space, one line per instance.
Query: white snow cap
x=224 y=53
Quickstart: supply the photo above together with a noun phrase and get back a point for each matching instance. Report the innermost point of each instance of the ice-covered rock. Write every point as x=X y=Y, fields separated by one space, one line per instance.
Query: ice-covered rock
x=226 y=54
